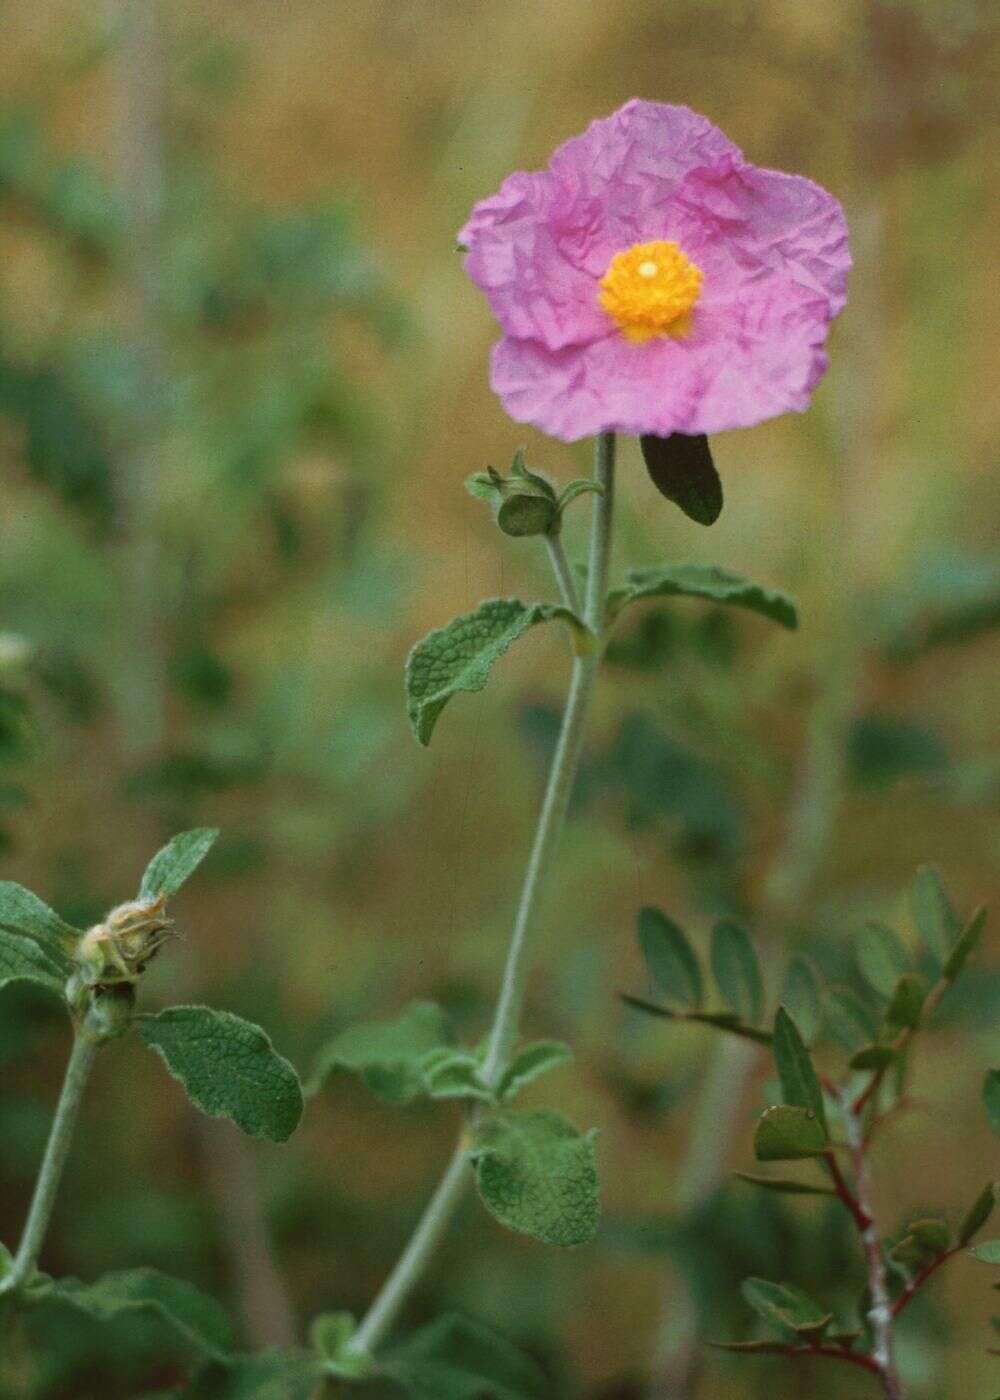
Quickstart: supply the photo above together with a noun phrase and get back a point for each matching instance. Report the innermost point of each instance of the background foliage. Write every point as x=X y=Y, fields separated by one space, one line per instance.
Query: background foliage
x=232 y=449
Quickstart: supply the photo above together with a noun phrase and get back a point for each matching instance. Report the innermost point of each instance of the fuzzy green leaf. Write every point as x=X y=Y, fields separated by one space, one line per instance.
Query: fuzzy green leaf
x=530 y=1062
x=799 y=1083
x=967 y=941
x=228 y=1067
x=987 y=1252
x=737 y=971
x=785 y=1186
x=457 y=1358
x=461 y=655
x=801 y=995
x=176 y=862
x=881 y=958
x=24 y=960
x=389 y=1055
x=670 y=960
x=23 y=912
x=537 y=1174
x=786 y=1307
x=330 y=1336
x=703 y=581
x=991 y=1098
x=932 y=912
x=787 y=1133
x=279 y=1373
x=197 y=1319
x=454 y=1074
x=978 y=1213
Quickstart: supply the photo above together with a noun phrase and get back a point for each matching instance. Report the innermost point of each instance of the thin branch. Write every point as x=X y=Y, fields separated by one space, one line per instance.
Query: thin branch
x=917 y=1282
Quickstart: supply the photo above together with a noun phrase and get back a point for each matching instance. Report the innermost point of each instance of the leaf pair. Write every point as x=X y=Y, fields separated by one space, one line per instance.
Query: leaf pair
x=796 y=1128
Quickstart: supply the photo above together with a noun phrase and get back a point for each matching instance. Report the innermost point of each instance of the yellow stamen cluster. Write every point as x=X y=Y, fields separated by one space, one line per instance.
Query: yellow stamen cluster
x=650 y=289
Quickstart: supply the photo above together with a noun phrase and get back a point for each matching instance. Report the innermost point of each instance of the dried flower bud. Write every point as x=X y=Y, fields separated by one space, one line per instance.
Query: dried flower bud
x=118 y=950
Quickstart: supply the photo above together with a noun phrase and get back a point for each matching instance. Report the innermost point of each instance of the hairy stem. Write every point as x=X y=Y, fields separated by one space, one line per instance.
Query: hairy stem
x=564 y=576
x=880 y=1314
x=415 y=1258
x=50 y=1174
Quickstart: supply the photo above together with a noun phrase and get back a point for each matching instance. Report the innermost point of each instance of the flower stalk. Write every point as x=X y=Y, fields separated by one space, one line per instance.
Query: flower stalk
x=81 y=1060
x=430 y=1229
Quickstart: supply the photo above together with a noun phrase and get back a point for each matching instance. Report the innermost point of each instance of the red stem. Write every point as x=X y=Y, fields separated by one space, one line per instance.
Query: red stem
x=917 y=1282
x=844 y=1193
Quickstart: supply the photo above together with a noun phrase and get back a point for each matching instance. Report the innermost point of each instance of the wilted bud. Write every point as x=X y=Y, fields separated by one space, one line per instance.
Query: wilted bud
x=117 y=950
x=523 y=503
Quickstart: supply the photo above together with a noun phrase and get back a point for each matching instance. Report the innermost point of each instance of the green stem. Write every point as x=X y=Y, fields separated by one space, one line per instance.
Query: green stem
x=412 y=1263
x=85 y=1048
x=563 y=573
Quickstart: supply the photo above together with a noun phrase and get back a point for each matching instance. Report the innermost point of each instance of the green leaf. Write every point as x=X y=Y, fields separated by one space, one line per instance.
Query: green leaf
x=578 y=487
x=907 y=1001
x=932 y=911
x=530 y=1062
x=991 y=1098
x=23 y=912
x=228 y=1067
x=737 y=971
x=457 y=1358
x=987 y=1252
x=848 y=1019
x=799 y=1083
x=786 y=1307
x=978 y=1213
x=176 y=862
x=461 y=655
x=932 y=1235
x=801 y=995
x=881 y=958
x=537 y=1174
x=24 y=960
x=389 y=1055
x=873 y=1057
x=703 y=581
x=670 y=960
x=454 y=1074
x=786 y=1134
x=786 y=1186
x=681 y=468
x=280 y=1373
x=330 y=1336
x=756 y=1348
x=197 y=1319
x=967 y=942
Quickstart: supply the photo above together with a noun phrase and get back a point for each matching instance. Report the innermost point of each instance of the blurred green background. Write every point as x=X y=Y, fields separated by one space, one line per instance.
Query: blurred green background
x=242 y=377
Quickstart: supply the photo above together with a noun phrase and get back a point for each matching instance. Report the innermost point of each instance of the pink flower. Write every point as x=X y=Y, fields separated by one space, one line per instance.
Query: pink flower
x=653 y=281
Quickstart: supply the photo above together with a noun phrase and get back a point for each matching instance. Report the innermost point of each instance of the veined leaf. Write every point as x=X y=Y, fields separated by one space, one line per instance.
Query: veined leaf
x=388 y=1054
x=24 y=960
x=279 y=1373
x=530 y=1062
x=23 y=912
x=176 y=862
x=228 y=1067
x=457 y=1358
x=537 y=1174
x=197 y=1319
x=786 y=1307
x=706 y=581
x=460 y=655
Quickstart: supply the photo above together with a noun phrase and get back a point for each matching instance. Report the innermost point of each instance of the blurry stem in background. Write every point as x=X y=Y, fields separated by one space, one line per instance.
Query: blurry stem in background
x=563 y=573
x=415 y=1258
x=85 y=1046
x=139 y=74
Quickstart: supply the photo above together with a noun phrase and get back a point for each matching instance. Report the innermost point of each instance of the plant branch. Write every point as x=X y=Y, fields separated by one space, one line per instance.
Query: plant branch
x=861 y=1219
x=917 y=1282
x=78 y=1069
x=412 y=1263
x=563 y=573
x=880 y=1314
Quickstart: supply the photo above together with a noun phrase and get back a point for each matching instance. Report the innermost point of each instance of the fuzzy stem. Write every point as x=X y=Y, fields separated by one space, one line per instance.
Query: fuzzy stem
x=880 y=1314
x=564 y=576
x=85 y=1047
x=415 y=1258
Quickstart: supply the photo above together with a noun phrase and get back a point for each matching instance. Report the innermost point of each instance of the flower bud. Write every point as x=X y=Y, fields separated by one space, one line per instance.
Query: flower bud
x=116 y=951
x=523 y=503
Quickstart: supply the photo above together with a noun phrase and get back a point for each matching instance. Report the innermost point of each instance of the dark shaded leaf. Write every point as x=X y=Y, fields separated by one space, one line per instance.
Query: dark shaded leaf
x=682 y=470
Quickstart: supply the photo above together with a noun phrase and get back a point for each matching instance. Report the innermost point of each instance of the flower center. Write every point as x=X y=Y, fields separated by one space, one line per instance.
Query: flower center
x=649 y=290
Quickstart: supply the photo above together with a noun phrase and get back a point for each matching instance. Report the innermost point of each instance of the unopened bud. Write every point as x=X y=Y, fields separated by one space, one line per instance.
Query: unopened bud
x=523 y=503
x=117 y=950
